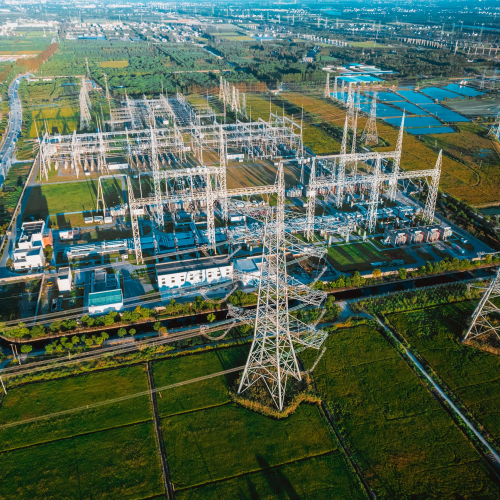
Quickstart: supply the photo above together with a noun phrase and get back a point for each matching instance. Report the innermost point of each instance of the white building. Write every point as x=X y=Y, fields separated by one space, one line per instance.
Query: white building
x=28 y=253
x=64 y=279
x=106 y=294
x=248 y=270
x=185 y=273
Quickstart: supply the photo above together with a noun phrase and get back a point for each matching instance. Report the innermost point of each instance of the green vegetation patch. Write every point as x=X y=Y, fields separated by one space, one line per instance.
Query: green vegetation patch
x=405 y=443
x=437 y=333
x=226 y=441
x=69 y=197
x=39 y=399
x=359 y=256
x=119 y=463
x=210 y=392
x=317 y=478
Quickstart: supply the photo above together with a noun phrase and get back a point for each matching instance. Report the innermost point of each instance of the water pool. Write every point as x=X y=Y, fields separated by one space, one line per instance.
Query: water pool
x=430 y=130
x=461 y=89
x=444 y=114
x=417 y=121
x=415 y=97
x=441 y=94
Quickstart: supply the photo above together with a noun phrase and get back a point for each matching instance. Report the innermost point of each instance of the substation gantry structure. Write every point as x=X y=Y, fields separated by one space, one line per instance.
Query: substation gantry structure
x=340 y=174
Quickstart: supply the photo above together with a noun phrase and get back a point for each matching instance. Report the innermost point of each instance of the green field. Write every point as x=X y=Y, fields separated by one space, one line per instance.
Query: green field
x=317 y=478
x=59 y=119
x=216 y=449
x=70 y=197
x=101 y=453
x=118 y=463
x=358 y=256
x=211 y=392
x=436 y=334
x=35 y=400
x=406 y=444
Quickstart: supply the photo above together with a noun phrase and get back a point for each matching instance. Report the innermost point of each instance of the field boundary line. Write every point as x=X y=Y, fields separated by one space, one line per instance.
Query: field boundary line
x=117 y=400
x=187 y=412
x=256 y=471
x=167 y=483
x=73 y=436
x=446 y=402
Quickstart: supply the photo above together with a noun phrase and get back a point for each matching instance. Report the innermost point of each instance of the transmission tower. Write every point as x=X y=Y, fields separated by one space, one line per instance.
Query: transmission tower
x=370 y=135
x=278 y=336
x=495 y=128
x=483 y=319
x=85 y=106
x=327 y=86
x=430 y=204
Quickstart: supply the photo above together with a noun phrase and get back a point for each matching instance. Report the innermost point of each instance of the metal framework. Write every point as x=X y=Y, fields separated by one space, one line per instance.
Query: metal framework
x=277 y=334
x=370 y=134
x=495 y=128
x=85 y=106
x=485 y=318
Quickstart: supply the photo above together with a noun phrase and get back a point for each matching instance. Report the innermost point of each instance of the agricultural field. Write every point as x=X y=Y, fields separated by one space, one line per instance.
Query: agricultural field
x=460 y=180
x=114 y=64
x=436 y=333
x=32 y=44
x=405 y=443
x=105 y=452
x=215 y=447
x=358 y=256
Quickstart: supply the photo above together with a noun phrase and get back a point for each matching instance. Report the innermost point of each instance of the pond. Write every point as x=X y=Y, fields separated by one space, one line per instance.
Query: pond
x=461 y=89
x=440 y=94
x=444 y=114
x=417 y=121
x=415 y=97
x=430 y=130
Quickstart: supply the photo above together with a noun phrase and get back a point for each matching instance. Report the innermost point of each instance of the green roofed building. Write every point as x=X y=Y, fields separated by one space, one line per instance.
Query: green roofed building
x=106 y=293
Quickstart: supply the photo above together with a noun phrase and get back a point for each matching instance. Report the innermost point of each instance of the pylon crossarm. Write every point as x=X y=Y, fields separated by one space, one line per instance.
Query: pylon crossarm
x=306 y=335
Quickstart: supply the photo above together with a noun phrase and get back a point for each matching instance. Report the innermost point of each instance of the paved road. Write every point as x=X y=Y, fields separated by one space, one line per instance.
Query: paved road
x=15 y=121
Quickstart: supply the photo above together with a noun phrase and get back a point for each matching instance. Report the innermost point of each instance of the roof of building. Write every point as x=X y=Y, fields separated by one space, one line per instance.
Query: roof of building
x=63 y=273
x=34 y=227
x=104 y=282
x=192 y=264
x=105 y=298
x=248 y=265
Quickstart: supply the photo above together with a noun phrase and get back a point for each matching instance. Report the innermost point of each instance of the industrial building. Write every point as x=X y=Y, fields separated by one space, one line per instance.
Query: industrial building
x=183 y=273
x=106 y=294
x=28 y=253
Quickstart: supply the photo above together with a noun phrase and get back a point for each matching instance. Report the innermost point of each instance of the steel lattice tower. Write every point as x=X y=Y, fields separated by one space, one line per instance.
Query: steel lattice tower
x=370 y=134
x=495 y=128
x=85 y=106
x=272 y=356
x=327 y=86
x=481 y=321
x=430 y=204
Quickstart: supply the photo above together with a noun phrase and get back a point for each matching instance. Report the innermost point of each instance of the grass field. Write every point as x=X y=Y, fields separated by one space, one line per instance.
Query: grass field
x=113 y=64
x=207 y=445
x=407 y=446
x=358 y=256
x=69 y=197
x=100 y=453
x=472 y=374
x=34 y=400
x=60 y=119
x=463 y=181
x=216 y=449
x=118 y=463
x=211 y=392
x=317 y=478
